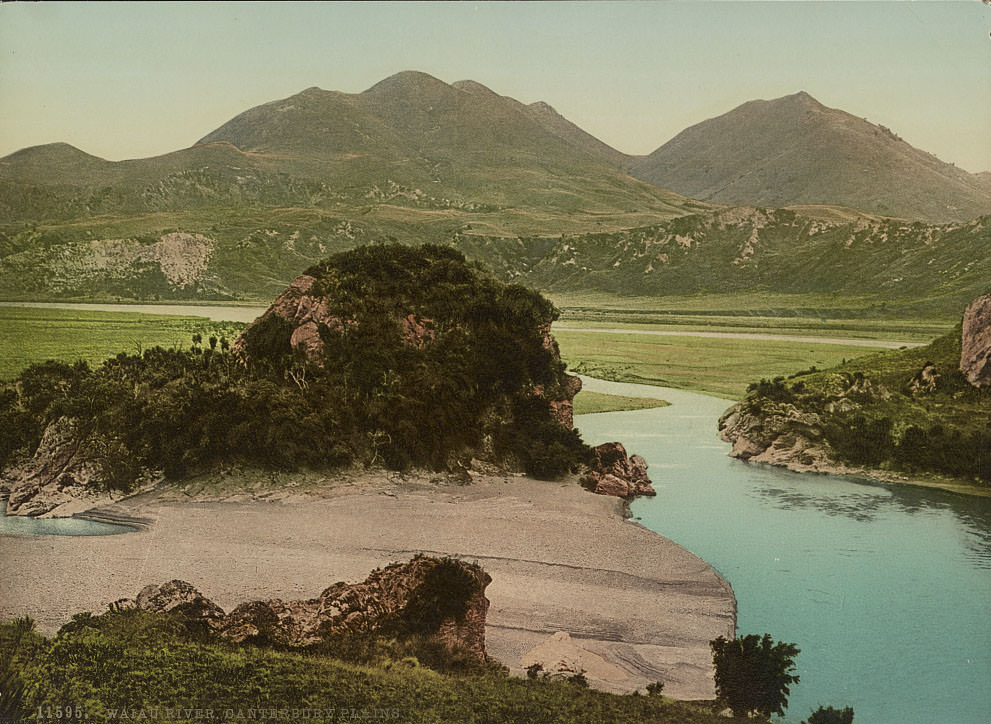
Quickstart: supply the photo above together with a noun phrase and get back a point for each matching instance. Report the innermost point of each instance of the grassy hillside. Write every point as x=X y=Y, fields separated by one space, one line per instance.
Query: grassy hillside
x=101 y=666
x=794 y=150
x=751 y=262
x=908 y=411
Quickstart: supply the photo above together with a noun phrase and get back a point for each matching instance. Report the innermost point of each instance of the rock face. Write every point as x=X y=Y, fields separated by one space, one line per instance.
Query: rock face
x=779 y=435
x=975 y=342
x=307 y=313
x=56 y=475
x=615 y=473
x=180 y=598
x=441 y=598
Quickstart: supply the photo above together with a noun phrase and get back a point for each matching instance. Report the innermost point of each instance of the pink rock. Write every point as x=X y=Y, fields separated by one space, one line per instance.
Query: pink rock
x=975 y=342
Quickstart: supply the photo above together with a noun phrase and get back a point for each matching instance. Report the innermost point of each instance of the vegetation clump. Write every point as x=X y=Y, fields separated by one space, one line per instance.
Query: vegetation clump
x=753 y=674
x=909 y=410
x=481 y=385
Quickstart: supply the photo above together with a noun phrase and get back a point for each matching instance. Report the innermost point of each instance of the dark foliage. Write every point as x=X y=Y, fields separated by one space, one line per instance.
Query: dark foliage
x=753 y=673
x=829 y=715
x=444 y=593
x=137 y=661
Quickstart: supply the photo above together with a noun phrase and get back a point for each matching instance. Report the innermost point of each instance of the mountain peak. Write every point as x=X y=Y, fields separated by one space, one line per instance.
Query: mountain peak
x=543 y=107
x=406 y=81
x=51 y=151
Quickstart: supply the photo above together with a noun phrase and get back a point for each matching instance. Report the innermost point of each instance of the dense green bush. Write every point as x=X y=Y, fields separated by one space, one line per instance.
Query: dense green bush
x=829 y=715
x=753 y=673
x=875 y=413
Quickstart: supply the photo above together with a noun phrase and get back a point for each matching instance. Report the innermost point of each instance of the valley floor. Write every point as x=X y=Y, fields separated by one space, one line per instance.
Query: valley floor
x=643 y=608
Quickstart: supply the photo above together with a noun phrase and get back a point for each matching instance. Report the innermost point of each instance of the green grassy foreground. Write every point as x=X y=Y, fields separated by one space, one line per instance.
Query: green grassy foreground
x=134 y=662
x=720 y=367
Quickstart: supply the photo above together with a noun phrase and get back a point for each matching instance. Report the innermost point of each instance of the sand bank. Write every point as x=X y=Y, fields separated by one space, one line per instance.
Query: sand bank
x=561 y=559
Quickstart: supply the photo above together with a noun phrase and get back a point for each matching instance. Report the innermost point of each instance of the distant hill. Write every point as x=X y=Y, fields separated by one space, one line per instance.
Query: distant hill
x=914 y=267
x=794 y=150
x=410 y=140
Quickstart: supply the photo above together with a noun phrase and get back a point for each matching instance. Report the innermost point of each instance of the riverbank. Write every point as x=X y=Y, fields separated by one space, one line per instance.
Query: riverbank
x=643 y=608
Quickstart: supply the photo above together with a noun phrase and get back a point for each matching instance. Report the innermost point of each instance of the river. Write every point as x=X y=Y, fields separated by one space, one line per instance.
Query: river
x=885 y=589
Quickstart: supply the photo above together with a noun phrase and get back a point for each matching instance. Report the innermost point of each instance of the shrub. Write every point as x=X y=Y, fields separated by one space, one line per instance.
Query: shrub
x=829 y=715
x=753 y=673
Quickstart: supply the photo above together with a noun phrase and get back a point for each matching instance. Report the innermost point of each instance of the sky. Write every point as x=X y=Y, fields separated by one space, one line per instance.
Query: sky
x=129 y=80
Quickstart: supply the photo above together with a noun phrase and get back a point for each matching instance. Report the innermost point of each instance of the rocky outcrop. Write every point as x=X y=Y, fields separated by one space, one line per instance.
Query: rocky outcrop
x=307 y=314
x=179 y=598
x=441 y=598
x=779 y=433
x=975 y=342
x=59 y=473
x=615 y=473
x=925 y=380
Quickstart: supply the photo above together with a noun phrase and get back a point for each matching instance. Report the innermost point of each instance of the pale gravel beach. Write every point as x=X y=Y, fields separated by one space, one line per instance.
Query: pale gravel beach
x=561 y=559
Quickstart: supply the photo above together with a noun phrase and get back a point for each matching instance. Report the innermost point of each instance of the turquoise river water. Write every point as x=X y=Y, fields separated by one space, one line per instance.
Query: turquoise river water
x=885 y=589
x=20 y=525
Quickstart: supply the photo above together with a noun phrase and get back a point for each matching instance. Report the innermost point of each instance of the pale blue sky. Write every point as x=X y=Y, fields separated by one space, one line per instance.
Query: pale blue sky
x=129 y=80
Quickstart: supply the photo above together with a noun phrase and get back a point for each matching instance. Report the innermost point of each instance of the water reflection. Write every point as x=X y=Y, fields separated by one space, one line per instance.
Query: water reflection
x=869 y=500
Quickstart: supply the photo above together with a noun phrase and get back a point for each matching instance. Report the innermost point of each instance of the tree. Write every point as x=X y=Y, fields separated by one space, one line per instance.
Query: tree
x=753 y=673
x=829 y=715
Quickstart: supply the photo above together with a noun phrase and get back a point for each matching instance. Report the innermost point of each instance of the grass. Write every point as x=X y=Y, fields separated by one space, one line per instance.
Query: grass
x=769 y=312
x=31 y=335
x=720 y=367
x=587 y=403
x=138 y=661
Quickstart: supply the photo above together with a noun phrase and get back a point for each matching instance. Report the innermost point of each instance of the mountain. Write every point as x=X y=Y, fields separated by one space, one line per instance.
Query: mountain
x=794 y=150
x=516 y=187
x=410 y=140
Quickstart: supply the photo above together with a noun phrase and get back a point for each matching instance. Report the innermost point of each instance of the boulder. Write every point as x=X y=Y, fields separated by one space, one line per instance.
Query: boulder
x=400 y=597
x=925 y=380
x=180 y=598
x=615 y=473
x=975 y=342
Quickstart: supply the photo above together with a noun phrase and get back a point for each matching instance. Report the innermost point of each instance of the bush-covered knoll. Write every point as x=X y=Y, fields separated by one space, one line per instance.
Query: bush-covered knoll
x=138 y=661
x=471 y=386
x=909 y=411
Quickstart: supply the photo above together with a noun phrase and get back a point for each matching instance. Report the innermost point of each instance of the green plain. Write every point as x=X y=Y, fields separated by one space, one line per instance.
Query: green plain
x=29 y=335
x=587 y=403
x=720 y=367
